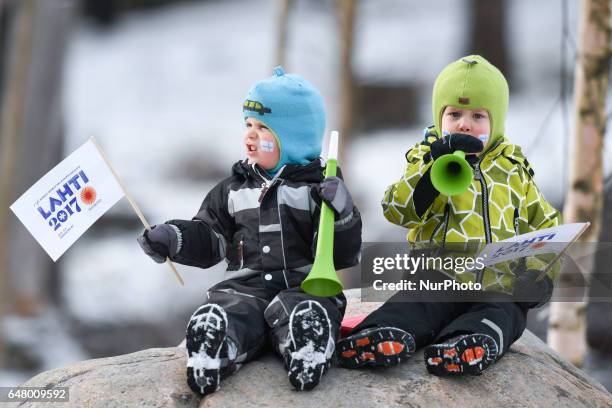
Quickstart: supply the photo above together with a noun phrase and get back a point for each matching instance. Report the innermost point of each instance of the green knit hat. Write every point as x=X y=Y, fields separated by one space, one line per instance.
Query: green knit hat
x=472 y=82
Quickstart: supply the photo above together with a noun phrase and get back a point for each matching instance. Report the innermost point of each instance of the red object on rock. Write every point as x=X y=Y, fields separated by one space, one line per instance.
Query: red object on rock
x=349 y=323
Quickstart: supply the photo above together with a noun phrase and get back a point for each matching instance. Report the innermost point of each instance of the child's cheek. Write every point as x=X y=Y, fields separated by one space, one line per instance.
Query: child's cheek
x=267 y=146
x=269 y=152
x=484 y=139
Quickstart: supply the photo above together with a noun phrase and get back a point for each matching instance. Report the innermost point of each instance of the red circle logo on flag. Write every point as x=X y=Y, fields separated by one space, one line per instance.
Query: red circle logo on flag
x=538 y=245
x=88 y=195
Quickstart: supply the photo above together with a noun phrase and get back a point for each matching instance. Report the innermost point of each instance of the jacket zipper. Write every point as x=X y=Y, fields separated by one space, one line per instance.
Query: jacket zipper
x=241 y=252
x=264 y=190
x=266 y=185
x=516 y=221
x=444 y=220
x=280 y=223
x=485 y=201
x=485 y=205
x=446 y=214
x=521 y=264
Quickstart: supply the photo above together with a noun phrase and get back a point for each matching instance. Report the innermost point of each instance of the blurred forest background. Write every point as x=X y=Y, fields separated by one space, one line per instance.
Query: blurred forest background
x=161 y=83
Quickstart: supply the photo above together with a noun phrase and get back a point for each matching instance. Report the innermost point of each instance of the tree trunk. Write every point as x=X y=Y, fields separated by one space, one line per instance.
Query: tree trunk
x=347 y=83
x=31 y=143
x=12 y=120
x=584 y=200
x=283 y=32
x=488 y=33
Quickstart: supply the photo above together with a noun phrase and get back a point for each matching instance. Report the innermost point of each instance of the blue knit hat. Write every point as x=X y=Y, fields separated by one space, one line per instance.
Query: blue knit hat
x=293 y=110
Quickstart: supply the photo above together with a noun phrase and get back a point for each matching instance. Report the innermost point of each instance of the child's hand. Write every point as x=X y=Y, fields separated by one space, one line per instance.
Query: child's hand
x=333 y=191
x=529 y=290
x=160 y=242
x=456 y=141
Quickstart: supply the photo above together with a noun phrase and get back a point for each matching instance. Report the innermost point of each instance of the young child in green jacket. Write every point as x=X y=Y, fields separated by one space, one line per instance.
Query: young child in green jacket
x=470 y=101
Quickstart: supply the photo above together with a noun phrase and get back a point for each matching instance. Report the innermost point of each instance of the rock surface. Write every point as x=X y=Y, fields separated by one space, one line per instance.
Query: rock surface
x=149 y=378
x=531 y=374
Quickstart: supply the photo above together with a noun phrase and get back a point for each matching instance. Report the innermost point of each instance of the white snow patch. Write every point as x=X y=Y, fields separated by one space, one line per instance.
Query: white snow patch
x=309 y=355
x=46 y=337
x=202 y=361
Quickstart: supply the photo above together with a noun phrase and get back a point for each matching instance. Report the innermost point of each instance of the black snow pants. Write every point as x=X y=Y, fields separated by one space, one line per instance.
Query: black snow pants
x=258 y=310
x=434 y=322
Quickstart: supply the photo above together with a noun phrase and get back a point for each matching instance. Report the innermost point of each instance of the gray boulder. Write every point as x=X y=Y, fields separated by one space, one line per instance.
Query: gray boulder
x=149 y=378
x=531 y=375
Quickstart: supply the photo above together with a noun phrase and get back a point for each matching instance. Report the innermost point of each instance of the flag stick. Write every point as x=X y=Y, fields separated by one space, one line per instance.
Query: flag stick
x=134 y=206
x=560 y=254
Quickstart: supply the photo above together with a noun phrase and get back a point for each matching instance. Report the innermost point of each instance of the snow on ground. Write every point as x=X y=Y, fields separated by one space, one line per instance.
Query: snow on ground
x=44 y=340
x=11 y=378
x=51 y=343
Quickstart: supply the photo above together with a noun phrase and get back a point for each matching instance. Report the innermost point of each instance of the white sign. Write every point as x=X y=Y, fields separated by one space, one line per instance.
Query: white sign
x=67 y=200
x=546 y=241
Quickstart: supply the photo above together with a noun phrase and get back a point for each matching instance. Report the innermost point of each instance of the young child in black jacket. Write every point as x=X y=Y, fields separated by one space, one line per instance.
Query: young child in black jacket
x=263 y=221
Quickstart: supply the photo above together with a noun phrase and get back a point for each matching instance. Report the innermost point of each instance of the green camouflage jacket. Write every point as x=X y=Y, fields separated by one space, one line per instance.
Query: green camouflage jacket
x=503 y=201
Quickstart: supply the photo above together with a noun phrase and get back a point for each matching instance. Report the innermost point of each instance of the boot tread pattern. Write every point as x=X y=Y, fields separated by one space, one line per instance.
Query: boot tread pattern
x=468 y=354
x=206 y=345
x=382 y=347
x=311 y=345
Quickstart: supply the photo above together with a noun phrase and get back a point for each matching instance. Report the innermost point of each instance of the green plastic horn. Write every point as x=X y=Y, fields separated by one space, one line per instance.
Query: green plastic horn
x=322 y=279
x=451 y=174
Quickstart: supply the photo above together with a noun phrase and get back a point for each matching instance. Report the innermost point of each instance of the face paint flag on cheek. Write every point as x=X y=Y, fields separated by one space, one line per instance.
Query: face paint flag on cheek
x=267 y=146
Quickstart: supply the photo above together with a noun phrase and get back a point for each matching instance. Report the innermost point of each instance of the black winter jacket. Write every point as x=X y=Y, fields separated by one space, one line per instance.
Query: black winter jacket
x=266 y=225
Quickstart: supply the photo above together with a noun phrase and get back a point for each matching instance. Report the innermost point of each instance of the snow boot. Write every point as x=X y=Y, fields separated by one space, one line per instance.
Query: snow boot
x=460 y=355
x=378 y=346
x=209 y=352
x=310 y=345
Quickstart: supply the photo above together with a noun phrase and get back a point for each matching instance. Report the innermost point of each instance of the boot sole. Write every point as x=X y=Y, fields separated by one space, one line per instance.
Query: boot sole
x=382 y=347
x=206 y=334
x=310 y=341
x=471 y=355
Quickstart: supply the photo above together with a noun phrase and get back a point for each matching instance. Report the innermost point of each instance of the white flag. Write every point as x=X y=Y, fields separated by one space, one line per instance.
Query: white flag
x=546 y=241
x=67 y=200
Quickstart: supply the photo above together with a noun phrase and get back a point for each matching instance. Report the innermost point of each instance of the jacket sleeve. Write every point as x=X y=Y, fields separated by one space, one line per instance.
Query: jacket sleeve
x=347 y=241
x=347 y=234
x=407 y=201
x=535 y=214
x=205 y=238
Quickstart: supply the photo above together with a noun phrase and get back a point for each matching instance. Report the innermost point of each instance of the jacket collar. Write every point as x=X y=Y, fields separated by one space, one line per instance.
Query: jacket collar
x=311 y=172
x=495 y=150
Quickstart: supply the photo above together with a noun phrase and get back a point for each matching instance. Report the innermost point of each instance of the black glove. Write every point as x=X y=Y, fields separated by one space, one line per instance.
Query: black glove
x=455 y=141
x=333 y=191
x=530 y=292
x=160 y=242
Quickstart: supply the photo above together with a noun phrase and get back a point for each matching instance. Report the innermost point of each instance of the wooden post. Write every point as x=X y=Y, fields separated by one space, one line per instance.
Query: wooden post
x=347 y=87
x=567 y=323
x=11 y=126
x=283 y=22
x=488 y=33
